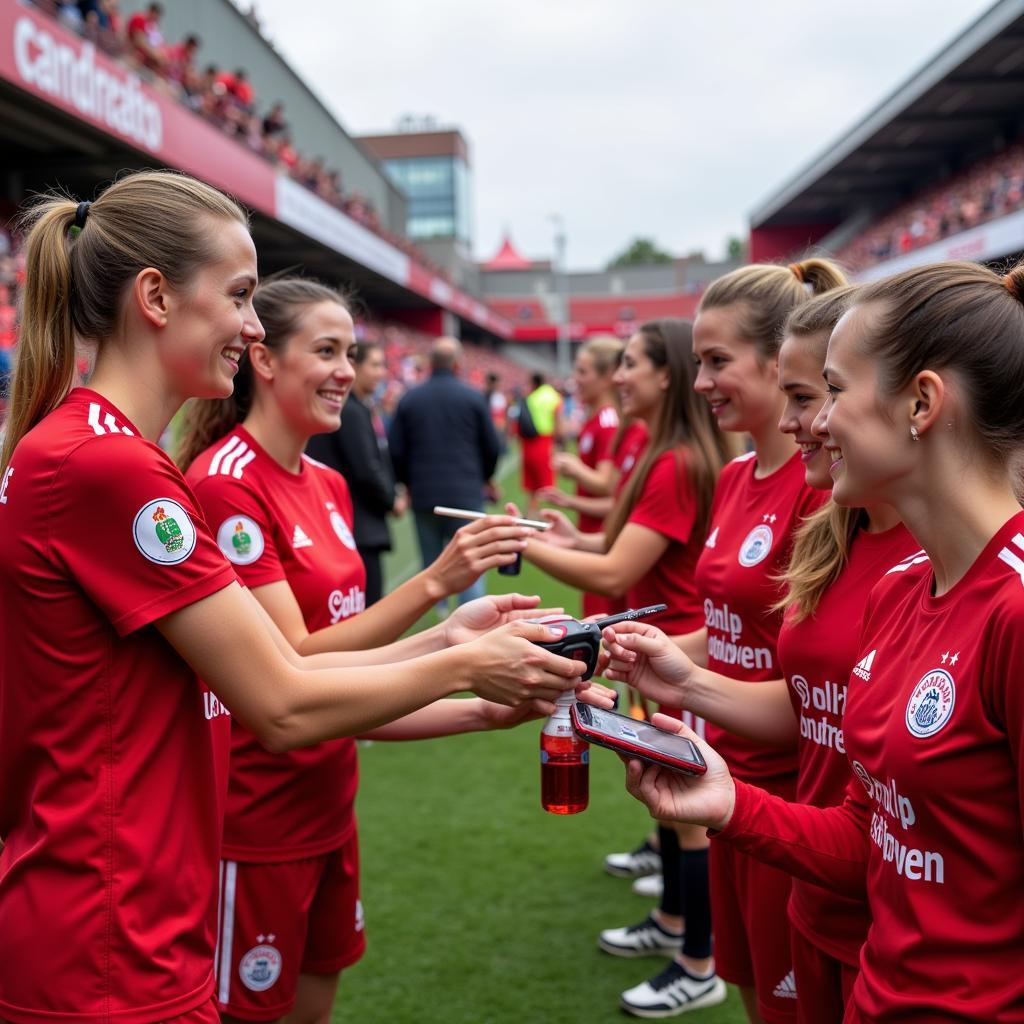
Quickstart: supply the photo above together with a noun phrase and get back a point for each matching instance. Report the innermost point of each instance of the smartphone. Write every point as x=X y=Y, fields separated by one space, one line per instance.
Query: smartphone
x=642 y=740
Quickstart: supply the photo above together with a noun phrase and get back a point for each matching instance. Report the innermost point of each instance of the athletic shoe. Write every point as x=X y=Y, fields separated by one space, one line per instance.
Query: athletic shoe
x=672 y=992
x=651 y=886
x=647 y=938
x=644 y=860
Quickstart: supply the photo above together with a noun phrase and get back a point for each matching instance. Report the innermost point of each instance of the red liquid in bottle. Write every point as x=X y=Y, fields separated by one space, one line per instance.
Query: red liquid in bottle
x=564 y=773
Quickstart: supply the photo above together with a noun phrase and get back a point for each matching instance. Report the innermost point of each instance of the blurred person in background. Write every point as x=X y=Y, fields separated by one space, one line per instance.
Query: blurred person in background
x=358 y=450
x=444 y=448
x=145 y=39
x=497 y=403
x=537 y=427
x=593 y=469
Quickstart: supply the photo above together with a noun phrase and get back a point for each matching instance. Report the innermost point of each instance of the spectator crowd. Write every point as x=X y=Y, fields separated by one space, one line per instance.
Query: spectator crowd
x=989 y=189
x=225 y=97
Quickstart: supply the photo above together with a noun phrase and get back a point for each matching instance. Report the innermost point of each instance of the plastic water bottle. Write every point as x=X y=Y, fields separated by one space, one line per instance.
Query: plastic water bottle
x=564 y=763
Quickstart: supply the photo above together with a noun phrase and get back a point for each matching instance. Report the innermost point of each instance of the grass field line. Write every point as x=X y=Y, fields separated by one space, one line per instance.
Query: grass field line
x=411 y=565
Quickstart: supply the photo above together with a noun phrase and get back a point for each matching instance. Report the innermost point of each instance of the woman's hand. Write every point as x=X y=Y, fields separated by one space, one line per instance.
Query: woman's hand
x=475 y=618
x=562 y=533
x=510 y=668
x=567 y=464
x=553 y=496
x=498 y=716
x=482 y=545
x=643 y=657
x=707 y=800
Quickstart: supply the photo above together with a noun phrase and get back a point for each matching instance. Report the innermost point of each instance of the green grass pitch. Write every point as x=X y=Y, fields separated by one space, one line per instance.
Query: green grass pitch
x=480 y=907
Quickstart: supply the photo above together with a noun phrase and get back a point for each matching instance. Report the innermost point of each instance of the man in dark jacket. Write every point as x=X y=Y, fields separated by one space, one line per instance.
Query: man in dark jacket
x=359 y=451
x=444 y=448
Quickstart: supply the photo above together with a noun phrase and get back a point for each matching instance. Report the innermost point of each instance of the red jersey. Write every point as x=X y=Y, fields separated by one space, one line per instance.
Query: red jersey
x=276 y=525
x=747 y=549
x=113 y=755
x=934 y=732
x=668 y=506
x=817 y=655
x=595 y=446
x=630 y=448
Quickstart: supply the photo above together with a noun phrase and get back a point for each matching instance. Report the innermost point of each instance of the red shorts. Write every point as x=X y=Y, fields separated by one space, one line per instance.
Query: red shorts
x=536 y=455
x=823 y=983
x=749 y=910
x=278 y=921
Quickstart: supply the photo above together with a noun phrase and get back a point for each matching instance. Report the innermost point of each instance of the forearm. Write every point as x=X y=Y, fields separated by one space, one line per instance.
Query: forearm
x=825 y=846
x=442 y=718
x=599 y=481
x=694 y=645
x=308 y=705
x=426 y=641
x=598 y=508
x=381 y=623
x=587 y=570
x=758 y=711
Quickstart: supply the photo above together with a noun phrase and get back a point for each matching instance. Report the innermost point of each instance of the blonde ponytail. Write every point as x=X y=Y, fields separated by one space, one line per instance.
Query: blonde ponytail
x=79 y=264
x=45 y=356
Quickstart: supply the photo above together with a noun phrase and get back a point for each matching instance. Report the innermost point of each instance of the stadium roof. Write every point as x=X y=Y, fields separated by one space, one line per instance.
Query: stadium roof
x=959 y=106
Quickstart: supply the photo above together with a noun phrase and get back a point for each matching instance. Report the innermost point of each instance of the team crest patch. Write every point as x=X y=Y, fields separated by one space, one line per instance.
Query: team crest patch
x=163 y=532
x=756 y=547
x=586 y=443
x=240 y=539
x=931 y=703
x=260 y=968
x=342 y=530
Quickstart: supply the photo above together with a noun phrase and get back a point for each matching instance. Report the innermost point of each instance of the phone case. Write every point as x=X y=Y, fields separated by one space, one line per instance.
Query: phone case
x=642 y=753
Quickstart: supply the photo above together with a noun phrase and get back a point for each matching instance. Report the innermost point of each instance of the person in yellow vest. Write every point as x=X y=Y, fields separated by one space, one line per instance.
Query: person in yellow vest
x=537 y=427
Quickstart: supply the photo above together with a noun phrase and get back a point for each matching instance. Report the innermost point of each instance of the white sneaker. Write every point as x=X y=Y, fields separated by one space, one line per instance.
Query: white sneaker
x=650 y=886
x=647 y=938
x=644 y=860
x=672 y=992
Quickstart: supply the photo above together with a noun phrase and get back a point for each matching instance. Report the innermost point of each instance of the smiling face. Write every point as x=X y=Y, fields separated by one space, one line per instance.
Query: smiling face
x=641 y=384
x=590 y=383
x=867 y=443
x=740 y=386
x=310 y=377
x=800 y=369
x=213 y=318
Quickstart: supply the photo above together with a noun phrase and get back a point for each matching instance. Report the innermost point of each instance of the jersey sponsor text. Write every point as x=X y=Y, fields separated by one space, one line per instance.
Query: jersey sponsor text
x=342 y=605
x=728 y=650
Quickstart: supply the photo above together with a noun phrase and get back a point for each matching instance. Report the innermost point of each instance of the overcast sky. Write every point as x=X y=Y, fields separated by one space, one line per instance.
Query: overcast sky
x=664 y=118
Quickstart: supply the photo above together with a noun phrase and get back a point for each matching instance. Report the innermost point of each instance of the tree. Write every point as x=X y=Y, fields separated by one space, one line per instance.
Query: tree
x=736 y=249
x=639 y=253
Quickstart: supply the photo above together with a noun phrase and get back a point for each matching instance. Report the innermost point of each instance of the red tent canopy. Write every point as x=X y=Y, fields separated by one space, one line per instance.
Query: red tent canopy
x=507 y=258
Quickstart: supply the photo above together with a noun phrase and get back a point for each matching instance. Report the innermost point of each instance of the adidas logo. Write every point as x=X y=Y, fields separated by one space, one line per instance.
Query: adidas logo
x=786 y=989
x=863 y=667
x=712 y=540
x=300 y=539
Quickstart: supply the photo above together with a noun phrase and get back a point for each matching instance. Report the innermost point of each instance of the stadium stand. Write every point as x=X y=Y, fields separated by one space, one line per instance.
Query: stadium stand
x=935 y=171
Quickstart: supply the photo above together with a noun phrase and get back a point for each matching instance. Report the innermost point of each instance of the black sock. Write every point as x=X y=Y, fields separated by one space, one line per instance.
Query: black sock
x=671 y=872
x=697 y=899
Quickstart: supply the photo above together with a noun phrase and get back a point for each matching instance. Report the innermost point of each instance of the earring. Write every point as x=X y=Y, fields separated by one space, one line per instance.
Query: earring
x=914 y=435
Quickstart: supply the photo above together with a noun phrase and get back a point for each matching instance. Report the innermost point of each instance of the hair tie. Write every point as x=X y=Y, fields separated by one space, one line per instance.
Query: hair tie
x=81 y=213
x=1010 y=284
x=798 y=271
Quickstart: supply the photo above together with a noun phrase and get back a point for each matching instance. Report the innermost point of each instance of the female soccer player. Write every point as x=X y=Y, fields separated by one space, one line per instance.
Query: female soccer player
x=925 y=375
x=760 y=499
x=290 y=858
x=838 y=556
x=648 y=551
x=593 y=469
x=117 y=601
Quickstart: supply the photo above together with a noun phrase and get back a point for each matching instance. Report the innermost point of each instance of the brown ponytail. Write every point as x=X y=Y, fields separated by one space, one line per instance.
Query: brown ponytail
x=765 y=294
x=962 y=317
x=280 y=304
x=76 y=274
